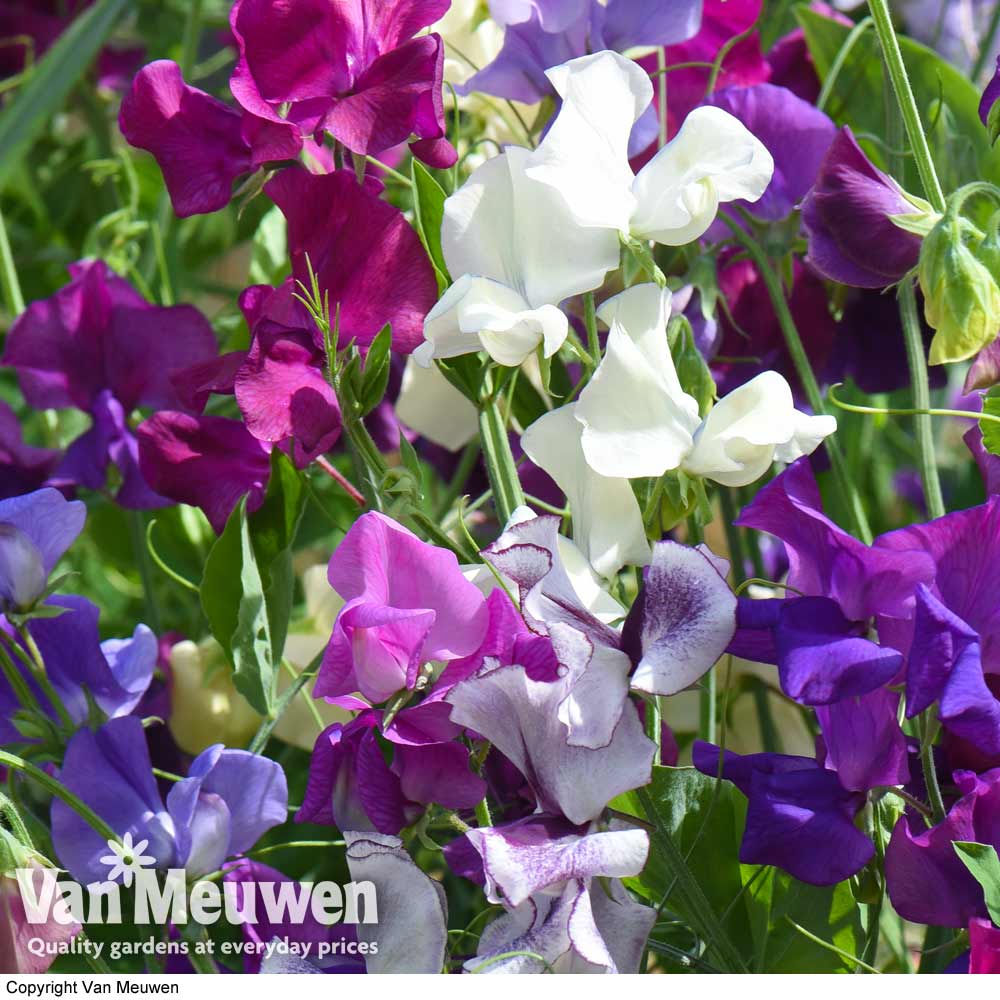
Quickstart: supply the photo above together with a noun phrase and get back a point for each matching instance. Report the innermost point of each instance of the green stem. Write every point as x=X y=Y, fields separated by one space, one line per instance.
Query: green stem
x=925 y=727
x=590 y=322
x=859 y=520
x=8 y=273
x=16 y=680
x=137 y=532
x=840 y=61
x=60 y=791
x=483 y=817
x=36 y=664
x=259 y=742
x=192 y=35
x=921 y=400
x=907 y=103
x=654 y=726
x=507 y=492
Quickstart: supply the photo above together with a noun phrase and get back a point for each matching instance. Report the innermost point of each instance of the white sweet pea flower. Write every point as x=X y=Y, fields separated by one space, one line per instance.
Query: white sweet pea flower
x=607 y=522
x=430 y=405
x=714 y=158
x=637 y=421
x=750 y=428
x=516 y=251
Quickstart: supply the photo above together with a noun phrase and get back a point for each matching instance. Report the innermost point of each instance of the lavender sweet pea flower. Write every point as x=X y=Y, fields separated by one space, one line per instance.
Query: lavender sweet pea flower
x=114 y=674
x=796 y=134
x=848 y=218
x=228 y=801
x=543 y=870
x=407 y=603
x=352 y=70
x=927 y=881
x=208 y=462
x=800 y=817
x=35 y=531
x=98 y=346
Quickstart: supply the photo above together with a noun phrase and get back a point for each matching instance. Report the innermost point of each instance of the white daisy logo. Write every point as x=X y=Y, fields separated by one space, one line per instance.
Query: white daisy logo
x=126 y=859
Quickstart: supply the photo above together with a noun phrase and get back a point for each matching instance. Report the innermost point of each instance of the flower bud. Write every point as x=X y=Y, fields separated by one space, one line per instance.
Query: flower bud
x=961 y=299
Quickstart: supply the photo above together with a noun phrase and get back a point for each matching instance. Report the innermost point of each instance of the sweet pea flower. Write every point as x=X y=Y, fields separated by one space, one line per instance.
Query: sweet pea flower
x=23 y=468
x=35 y=531
x=17 y=933
x=675 y=197
x=229 y=799
x=984 y=951
x=98 y=346
x=113 y=675
x=354 y=71
x=560 y=885
x=406 y=604
x=497 y=235
x=635 y=420
x=927 y=881
x=852 y=197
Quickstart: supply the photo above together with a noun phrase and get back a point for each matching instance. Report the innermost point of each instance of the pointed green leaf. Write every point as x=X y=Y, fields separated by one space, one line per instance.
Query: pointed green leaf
x=983 y=863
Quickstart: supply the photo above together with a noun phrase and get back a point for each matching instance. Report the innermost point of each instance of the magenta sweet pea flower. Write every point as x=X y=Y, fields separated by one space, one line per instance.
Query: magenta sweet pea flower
x=201 y=144
x=353 y=70
x=365 y=255
x=208 y=462
x=848 y=218
x=98 y=346
x=407 y=604
x=984 y=951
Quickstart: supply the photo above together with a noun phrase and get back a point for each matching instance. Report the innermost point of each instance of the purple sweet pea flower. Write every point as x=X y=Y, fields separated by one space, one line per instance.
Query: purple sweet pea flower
x=98 y=346
x=258 y=930
x=990 y=95
x=407 y=603
x=115 y=673
x=366 y=257
x=821 y=656
x=848 y=218
x=353 y=70
x=228 y=801
x=800 y=817
x=796 y=134
x=23 y=468
x=825 y=561
x=208 y=462
x=926 y=879
x=543 y=870
x=35 y=531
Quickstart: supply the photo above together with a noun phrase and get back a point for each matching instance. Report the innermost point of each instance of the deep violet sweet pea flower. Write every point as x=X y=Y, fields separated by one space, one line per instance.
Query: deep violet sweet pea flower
x=796 y=134
x=115 y=674
x=799 y=817
x=98 y=346
x=228 y=801
x=926 y=879
x=848 y=219
x=201 y=144
x=353 y=70
x=560 y=885
x=23 y=468
x=208 y=462
x=35 y=531
x=406 y=603
x=365 y=255
x=990 y=95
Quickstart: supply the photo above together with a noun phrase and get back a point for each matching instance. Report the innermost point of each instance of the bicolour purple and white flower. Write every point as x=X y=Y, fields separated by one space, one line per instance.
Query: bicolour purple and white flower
x=229 y=799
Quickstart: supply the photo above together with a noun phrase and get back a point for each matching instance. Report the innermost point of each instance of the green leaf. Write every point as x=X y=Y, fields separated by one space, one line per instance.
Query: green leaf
x=947 y=100
x=692 y=372
x=428 y=211
x=248 y=584
x=983 y=863
x=376 y=371
x=991 y=428
x=52 y=79
x=693 y=856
